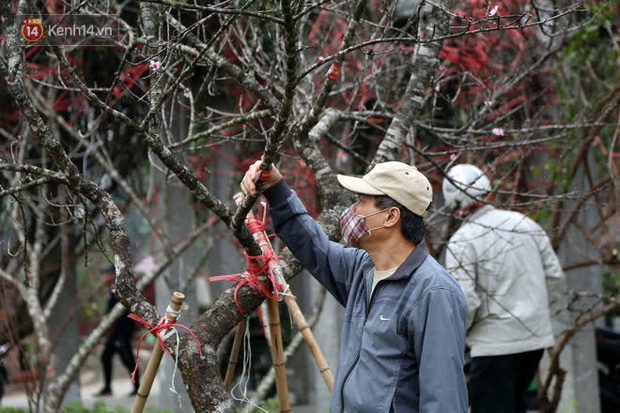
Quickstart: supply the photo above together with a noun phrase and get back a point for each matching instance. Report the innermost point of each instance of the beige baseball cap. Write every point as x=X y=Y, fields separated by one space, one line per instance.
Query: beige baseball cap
x=401 y=182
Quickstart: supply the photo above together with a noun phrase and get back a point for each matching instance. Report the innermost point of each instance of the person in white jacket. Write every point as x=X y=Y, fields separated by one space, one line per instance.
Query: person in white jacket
x=503 y=261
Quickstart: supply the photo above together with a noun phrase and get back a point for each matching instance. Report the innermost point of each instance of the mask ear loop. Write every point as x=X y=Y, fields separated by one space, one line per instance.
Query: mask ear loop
x=370 y=215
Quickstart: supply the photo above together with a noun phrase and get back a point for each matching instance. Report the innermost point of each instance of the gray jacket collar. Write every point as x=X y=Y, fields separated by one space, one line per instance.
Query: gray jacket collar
x=413 y=261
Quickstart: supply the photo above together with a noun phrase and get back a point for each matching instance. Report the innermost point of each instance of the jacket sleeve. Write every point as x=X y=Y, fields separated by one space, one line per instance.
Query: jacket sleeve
x=330 y=263
x=461 y=264
x=437 y=330
x=554 y=276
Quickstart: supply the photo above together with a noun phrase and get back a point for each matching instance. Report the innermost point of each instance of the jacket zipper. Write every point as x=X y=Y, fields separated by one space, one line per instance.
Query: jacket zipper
x=357 y=357
x=346 y=376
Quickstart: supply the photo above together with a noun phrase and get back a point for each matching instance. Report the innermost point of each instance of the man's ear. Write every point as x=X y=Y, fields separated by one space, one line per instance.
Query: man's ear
x=393 y=217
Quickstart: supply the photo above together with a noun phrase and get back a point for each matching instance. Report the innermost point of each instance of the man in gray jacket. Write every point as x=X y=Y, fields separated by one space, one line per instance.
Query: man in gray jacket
x=504 y=263
x=403 y=336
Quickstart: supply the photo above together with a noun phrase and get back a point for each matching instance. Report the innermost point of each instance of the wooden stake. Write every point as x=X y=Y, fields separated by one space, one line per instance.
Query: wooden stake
x=277 y=353
x=275 y=329
x=306 y=333
x=277 y=349
x=151 y=368
x=234 y=355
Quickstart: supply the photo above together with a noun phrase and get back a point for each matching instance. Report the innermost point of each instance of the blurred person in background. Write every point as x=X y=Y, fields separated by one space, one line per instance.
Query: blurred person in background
x=504 y=262
x=119 y=339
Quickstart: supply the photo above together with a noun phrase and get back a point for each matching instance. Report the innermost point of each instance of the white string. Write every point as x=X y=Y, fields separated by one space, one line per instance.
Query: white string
x=242 y=384
x=247 y=350
x=284 y=293
x=174 y=314
x=174 y=372
x=280 y=299
x=169 y=331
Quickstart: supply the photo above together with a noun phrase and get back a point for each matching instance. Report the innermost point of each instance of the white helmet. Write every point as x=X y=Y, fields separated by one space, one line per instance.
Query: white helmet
x=464 y=184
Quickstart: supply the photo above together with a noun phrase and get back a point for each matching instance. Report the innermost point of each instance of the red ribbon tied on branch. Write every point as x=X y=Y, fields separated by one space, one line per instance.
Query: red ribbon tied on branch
x=256 y=265
x=333 y=72
x=162 y=324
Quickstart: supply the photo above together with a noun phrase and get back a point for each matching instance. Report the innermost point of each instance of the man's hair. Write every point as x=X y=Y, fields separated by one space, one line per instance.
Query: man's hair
x=411 y=225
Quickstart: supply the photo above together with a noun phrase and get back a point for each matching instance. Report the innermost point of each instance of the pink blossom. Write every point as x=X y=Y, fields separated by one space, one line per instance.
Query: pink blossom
x=493 y=11
x=437 y=87
x=154 y=64
x=488 y=102
x=498 y=131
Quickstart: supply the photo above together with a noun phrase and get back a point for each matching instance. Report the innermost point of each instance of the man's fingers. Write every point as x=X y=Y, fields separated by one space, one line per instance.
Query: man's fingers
x=247 y=183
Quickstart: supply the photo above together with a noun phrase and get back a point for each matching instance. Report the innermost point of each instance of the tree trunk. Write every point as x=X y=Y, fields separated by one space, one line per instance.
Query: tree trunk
x=177 y=222
x=64 y=328
x=581 y=383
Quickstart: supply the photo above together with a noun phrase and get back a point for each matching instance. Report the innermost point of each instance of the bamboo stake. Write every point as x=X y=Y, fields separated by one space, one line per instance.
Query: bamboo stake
x=277 y=349
x=263 y=313
x=234 y=354
x=151 y=368
x=294 y=309
x=306 y=333
x=300 y=320
x=277 y=353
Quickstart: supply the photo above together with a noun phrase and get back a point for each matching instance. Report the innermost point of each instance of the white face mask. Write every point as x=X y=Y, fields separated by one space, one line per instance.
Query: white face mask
x=353 y=226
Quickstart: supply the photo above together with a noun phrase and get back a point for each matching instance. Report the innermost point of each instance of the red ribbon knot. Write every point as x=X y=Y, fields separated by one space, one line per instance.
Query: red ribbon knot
x=256 y=267
x=162 y=324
